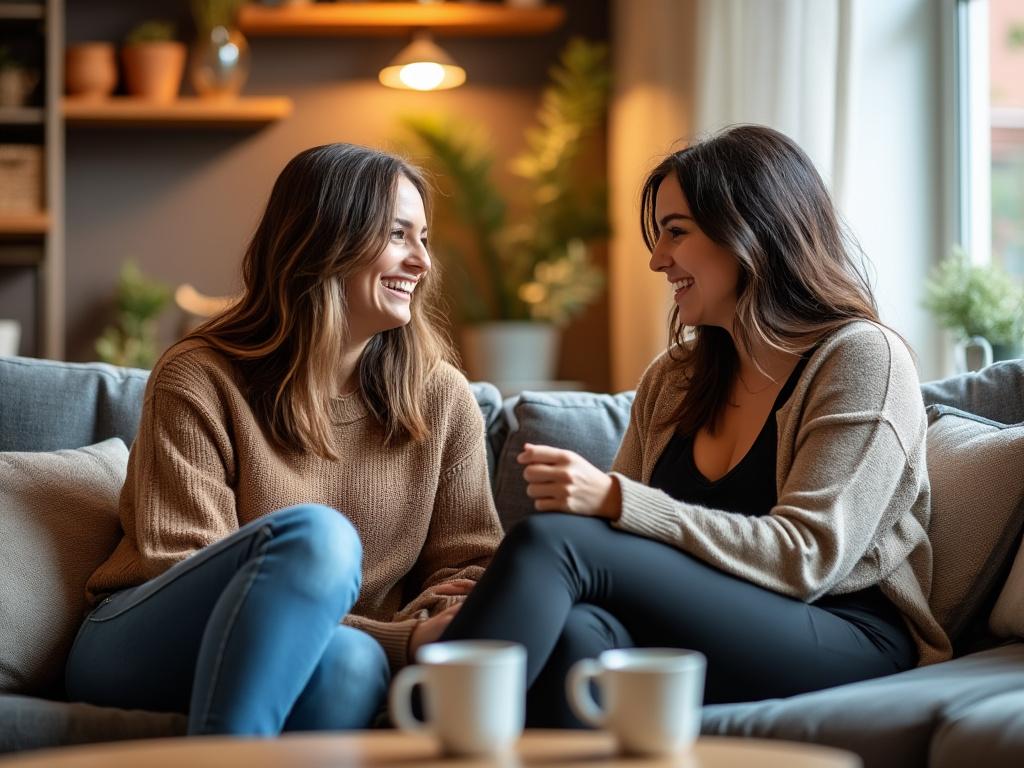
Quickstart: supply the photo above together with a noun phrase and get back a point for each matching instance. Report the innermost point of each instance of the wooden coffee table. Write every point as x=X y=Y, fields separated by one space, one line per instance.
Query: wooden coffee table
x=372 y=749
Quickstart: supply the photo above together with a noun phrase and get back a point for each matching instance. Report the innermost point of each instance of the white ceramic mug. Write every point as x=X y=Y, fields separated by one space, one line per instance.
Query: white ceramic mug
x=474 y=695
x=651 y=697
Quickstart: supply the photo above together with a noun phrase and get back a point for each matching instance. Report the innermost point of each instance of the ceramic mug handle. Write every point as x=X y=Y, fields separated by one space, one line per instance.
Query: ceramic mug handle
x=577 y=689
x=399 y=703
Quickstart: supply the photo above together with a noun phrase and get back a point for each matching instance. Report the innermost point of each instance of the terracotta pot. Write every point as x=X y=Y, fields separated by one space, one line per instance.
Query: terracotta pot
x=90 y=70
x=153 y=71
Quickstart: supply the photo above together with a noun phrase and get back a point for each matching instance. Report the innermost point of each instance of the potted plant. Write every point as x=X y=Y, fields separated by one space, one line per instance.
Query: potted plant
x=518 y=281
x=132 y=340
x=90 y=70
x=154 y=61
x=220 y=56
x=982 y=305
x=16 y=82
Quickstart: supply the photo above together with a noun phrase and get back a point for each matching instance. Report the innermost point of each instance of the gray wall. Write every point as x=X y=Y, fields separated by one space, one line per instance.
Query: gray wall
x=182 y=203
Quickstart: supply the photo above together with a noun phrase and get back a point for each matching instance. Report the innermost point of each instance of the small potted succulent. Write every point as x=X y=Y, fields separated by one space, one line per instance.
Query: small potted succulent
x=154 y=61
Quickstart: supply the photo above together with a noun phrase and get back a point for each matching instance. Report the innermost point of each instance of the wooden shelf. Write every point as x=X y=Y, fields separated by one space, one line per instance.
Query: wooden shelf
x=243 y=112
x=341 y=19
x=20 y=224
x=22 y=116
x=22 y=10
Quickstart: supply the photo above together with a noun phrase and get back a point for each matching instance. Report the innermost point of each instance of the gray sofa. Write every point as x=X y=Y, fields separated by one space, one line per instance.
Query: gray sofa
x=969 y=710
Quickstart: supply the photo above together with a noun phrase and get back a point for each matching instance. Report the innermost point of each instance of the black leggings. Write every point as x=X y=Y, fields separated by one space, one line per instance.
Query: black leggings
x=568 y=587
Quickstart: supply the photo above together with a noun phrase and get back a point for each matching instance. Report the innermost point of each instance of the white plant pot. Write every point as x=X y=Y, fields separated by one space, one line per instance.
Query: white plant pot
x=506 y=352
x=10 y=337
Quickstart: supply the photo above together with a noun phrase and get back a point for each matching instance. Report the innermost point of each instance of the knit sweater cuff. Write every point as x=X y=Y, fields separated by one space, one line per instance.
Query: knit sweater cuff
x=648 y=512
x=392 y=635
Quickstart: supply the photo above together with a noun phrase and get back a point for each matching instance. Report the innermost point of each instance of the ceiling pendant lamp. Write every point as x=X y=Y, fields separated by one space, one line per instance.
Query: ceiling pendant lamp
x=422 y=66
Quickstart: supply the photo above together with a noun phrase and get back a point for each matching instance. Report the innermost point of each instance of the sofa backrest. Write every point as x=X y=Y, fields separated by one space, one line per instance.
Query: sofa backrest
x=48 y=406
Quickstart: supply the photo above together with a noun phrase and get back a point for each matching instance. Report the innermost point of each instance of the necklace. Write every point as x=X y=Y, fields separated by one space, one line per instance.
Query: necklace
x=750 y=391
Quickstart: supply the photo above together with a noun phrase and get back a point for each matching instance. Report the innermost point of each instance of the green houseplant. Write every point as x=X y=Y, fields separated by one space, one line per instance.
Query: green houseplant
x=132 y=340
x=525 y=260
x=978 y=301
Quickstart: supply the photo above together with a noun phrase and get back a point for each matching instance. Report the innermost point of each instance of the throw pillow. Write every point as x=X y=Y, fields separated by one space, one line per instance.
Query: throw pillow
x=592 y=425
x=58 y=517
x=977 y=479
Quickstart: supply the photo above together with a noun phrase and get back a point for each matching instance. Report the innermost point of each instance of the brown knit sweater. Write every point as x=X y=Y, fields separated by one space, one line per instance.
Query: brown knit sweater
x=201 y=466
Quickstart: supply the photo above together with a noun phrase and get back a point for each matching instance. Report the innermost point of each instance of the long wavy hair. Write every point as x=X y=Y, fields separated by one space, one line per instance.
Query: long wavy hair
x=328 y=218
x=754 y=192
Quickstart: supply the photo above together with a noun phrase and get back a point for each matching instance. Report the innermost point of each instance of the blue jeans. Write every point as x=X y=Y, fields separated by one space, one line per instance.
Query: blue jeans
x=244 y=635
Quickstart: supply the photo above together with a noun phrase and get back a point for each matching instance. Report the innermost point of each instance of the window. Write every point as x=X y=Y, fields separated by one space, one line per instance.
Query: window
x=990 y=130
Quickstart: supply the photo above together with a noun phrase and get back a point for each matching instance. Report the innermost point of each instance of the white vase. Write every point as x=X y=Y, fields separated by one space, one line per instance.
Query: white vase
x=972 y=354
x=510 y=352
x=10 y=337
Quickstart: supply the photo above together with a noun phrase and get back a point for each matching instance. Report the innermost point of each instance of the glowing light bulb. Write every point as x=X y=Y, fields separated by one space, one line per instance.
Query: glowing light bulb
x=422 y=75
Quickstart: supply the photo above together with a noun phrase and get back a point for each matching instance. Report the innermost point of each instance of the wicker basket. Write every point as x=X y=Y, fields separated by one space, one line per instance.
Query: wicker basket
x=21 y=178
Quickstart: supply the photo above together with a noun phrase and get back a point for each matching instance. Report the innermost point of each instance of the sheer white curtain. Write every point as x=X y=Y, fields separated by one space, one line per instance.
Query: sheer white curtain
x=782 y=63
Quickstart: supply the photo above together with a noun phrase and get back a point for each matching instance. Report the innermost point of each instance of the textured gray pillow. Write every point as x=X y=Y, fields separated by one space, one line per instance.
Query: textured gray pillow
x=976 y=471
x=58 y=522
x=589 y=424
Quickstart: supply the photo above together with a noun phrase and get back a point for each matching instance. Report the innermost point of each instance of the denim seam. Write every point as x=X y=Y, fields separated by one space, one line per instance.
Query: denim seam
x=227 y=634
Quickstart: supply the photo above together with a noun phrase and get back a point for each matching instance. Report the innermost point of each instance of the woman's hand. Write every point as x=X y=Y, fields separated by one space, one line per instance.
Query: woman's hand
x=430 y=630
x=563 y=481
x=461 y=587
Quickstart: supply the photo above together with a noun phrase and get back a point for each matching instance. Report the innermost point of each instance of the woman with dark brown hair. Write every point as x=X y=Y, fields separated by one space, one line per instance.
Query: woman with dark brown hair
x=769 y=502
x=307 y=499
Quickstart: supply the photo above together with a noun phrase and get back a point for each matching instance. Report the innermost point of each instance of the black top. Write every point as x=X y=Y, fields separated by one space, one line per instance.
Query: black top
x=749 y=489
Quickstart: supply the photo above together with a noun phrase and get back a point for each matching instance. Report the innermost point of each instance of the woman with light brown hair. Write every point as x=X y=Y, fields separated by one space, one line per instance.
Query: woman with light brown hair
x=307 y=499
x=769 y=503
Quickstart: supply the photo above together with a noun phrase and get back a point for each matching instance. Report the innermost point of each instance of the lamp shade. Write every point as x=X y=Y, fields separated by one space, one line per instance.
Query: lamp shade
x=422 y=66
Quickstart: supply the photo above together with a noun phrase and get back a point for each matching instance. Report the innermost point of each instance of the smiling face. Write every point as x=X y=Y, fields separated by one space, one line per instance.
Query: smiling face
x=702 y=275
x=380 y=296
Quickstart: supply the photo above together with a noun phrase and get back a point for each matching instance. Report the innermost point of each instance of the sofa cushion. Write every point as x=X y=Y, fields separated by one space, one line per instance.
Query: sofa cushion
x=591 y=425
x=488 y=399
x=31 y=723
x=888 y=721
x=49 y=405
x=977 y=480
x=58 y=514
x=995 y=392
x=986 y=733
